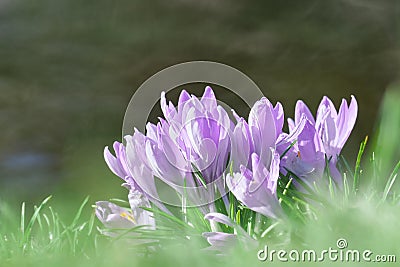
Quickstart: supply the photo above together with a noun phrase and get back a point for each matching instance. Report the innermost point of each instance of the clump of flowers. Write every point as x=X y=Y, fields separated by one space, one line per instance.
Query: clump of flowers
x=235 y=180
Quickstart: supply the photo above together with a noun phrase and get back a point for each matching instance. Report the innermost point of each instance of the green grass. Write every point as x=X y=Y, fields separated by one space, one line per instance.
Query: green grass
x=366 y=221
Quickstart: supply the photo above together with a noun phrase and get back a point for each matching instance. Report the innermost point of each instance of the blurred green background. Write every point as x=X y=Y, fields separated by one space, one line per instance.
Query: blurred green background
x=69 y=68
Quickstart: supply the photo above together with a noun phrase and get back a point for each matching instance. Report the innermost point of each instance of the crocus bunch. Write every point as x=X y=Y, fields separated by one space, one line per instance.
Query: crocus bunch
x=236 y=173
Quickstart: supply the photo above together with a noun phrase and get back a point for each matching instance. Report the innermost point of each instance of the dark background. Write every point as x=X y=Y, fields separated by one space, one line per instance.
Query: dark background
x=69 y=68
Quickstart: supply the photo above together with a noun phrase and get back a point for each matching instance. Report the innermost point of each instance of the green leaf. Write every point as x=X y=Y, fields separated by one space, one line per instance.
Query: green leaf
x=199 y=176
x=32 y=221
x=78 y=214
x=287 y=149
x=391 y=180
x=357 y=170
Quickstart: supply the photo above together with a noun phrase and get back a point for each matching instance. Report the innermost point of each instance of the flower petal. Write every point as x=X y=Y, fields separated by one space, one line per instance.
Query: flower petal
x=302 y=110
x=114 y=216
x=345 y=122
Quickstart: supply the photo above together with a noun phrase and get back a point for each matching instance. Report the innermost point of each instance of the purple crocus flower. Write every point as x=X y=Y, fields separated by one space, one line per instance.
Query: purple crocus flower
x=118 y=164
x=138 y=166
x=318 y=138
x=196 y=132
x=115 y=217
x=306 y=157
x=265 y=124
x=130 y=164
x=255 y=161
x=258 y=135
x=220 y=241
x=334 y=128
x=194 y=136
x=164 y=158
x=256 y=187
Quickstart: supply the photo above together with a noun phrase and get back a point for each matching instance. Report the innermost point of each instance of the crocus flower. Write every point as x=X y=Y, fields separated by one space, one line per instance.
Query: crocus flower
x=255 y=161
x=220 y=241
x=256 y=187
x=115 y=217
x=258 y=135
x=164 y=158
x=326 y=134
x=193 y=137
x=200 y=130
x=334 y=128
x=119 y=166
x=130 y=164
x=136 y=201
x=138 y=166
x=306 y=156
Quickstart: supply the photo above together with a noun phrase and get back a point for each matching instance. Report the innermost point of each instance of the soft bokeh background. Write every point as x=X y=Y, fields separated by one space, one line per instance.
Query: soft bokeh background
x=69 y=68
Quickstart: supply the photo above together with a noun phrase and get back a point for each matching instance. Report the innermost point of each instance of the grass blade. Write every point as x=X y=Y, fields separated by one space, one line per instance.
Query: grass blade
x=391 y=180
x=199 y=176
x=23 y=219
x=79 y=213
x=33 y=220
x=357 y=170
x=287 y=149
